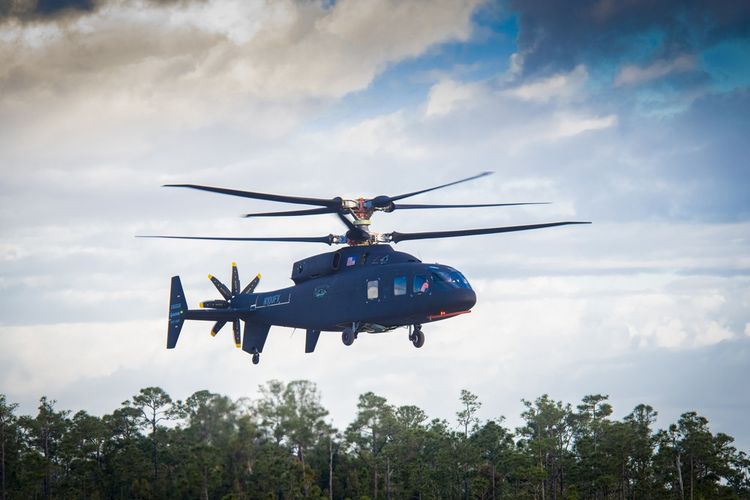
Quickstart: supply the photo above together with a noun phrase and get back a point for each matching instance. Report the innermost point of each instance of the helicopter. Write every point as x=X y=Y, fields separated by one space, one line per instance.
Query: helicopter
x=364 y=287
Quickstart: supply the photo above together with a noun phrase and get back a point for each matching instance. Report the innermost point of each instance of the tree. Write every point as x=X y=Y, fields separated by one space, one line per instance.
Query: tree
x=496 y=448
x=547 y=438
x=44 y=433
x=211 y=422
x=467 y=418
x=7 y=436
x=642 y=443
x=597 y=466
x=154 y=406
x=370 y=432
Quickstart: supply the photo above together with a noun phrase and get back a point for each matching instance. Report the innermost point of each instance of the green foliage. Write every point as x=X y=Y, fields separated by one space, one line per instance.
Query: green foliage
x=281 y=446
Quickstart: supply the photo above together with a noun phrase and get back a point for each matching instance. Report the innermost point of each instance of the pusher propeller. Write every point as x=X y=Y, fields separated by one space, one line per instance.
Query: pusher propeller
x=229 y=296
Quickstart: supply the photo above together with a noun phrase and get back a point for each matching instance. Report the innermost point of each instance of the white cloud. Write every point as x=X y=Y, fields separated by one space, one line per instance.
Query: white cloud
x=635 y=75
x=124 y=73
x=570 y=125
x=447 y=95
x=558 y=86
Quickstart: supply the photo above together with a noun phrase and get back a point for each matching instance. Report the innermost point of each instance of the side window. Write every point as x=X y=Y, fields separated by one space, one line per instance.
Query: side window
x=372 y=289
x=421 y=285
x=399 y=285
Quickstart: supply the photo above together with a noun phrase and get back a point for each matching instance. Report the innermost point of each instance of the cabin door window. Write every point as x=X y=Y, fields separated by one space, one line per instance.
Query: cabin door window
x=372 y=289
x=399 y=285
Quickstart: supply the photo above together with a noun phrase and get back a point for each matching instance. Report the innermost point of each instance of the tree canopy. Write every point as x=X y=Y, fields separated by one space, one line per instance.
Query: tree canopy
x=283 y=445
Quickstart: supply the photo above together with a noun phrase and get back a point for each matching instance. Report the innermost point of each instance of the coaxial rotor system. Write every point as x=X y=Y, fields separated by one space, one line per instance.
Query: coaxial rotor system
x=357 y=213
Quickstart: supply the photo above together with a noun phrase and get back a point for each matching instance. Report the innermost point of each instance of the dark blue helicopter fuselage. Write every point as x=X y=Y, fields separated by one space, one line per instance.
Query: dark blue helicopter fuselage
x=356 y=289
x=373 y=286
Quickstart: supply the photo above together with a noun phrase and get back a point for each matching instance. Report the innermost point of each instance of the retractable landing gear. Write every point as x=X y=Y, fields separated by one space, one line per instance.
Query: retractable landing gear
x=416 y=336
x=256 y=357
x=349 y=334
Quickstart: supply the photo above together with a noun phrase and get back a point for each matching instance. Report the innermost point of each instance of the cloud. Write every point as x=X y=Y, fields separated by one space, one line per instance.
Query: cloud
x=447 y=95
x=636 y=75
x=560 y=85
x=557 y=36
x=126 y=69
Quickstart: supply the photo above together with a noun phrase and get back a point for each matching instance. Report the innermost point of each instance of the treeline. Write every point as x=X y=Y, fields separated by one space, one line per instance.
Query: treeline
x=281 y=445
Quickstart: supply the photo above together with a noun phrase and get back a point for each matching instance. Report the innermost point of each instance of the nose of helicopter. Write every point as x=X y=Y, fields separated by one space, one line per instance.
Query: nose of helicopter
x=462 y=299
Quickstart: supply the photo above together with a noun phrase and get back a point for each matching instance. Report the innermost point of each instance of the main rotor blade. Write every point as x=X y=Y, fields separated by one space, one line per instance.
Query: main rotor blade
x=406 y=206
x=407 y=195
x=289 y=239
x=299 y=200
x=397 y=237
x=294 y=213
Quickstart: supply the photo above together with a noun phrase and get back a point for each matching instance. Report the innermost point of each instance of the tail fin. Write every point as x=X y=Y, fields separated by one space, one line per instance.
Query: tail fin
x=177 y=309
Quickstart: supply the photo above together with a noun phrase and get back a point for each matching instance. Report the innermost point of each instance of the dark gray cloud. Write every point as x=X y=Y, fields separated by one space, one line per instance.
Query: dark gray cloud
x=560 y=35
x=42 y=10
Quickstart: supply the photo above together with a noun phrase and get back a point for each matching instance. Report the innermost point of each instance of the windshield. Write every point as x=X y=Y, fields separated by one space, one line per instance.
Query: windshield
x=451 y=278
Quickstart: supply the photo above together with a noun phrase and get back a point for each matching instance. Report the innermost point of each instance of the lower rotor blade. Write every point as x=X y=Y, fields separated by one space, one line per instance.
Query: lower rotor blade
x=293 y=213
x=235 y=280
x=251 y=286
x=330 y=239
x=236 y=328
x=217 y=326
x=397 y=237
x=223 y=290
x=407 y=206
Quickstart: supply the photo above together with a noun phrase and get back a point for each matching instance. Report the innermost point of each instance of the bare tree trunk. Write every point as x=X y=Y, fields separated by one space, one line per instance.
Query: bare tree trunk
x=205 y=482
x=330 y=468
x=387 y=478
x=304 y=479
x=493 y=481
x=679 y=477
x=46 y=465
x=2 y=461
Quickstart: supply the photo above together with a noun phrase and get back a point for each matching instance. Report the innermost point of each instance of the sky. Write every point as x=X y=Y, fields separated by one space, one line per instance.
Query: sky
x=634 y=115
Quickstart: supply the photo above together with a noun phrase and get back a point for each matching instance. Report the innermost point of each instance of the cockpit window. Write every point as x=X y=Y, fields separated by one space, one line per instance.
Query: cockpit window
x=453 y=279
x=421 y=284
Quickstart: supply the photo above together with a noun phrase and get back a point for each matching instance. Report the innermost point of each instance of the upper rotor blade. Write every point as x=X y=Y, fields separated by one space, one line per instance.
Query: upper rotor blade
x=302 y=239
x=292 y=213
x=397 y=237
x=407 y=195
x=405 y=206
x=264 y=196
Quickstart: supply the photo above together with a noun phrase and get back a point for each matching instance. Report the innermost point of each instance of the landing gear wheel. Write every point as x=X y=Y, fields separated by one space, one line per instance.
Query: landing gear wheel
x=256 y=358
x=348 y=336
x=417 y=338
